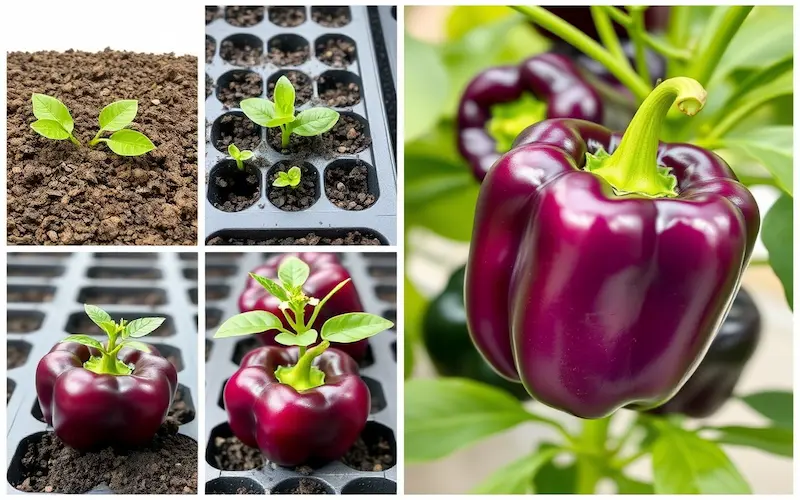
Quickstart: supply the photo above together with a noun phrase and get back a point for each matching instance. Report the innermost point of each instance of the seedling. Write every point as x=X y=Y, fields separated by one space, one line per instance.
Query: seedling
x=124 y=332
x=308 y=123
x=55 y=122
x=290 y=178
x=239 y=156
x=344 y=328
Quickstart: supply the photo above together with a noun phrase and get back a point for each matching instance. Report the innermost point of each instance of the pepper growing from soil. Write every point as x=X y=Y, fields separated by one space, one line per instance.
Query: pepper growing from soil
x=715 y=379
x=96 y=395
x=597 y=280
x=501 y=101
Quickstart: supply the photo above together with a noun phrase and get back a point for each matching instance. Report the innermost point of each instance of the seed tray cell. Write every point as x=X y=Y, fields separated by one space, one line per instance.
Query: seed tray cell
x=35 y=327
x=379 y=371
x=308 y=49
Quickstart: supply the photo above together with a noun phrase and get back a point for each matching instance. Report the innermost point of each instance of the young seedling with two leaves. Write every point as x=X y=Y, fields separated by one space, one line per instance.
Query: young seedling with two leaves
x=308 y=123
x=55 y=122
x=344 y=328
x=122 y=334
x=290 y=178
x=239 y=156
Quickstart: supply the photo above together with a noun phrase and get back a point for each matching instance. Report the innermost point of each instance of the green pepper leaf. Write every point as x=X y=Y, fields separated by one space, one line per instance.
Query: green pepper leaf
x=352 y=327
x=284 y=95
x=274 y=288
x=426 y=91
x=85 y=340
x=685 y=463
x=778 y=406
x=233 y=151
x=248 y=323
x=553 y=478
x=282 y=180
x=245 y=155
x=50 y=108
x=776 y=233
x=293 y=273
x=446 y=414
x=128 y=142
x=630 y=486
x=772 y=147
x=50 y=129
x=118 y=115
x=142 y=326
x=135 y=344
x=775 y=440
x=516 y=478
x=97 y=315
x=314 y=121
x=280 y=120
x=258 y=110
x=305 y=339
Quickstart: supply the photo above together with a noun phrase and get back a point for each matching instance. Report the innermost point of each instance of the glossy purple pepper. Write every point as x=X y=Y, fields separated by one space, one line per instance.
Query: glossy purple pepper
x=596 y=301
x=551 y=78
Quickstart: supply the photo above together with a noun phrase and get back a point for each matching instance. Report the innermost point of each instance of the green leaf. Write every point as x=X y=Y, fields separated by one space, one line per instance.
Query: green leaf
x=233 y=151
x=110 y=327
x=426 y=90
x=142 y=326
x=446 y=414
x=772 y=147
x=776 y=440
x=280 y=120
x=352 y=327
x=135 y=344
x=463 y=19
x=127 y=142
x=118 y=115
x=516 y=478
x=274 y=288
x=778 y=406
x=776 y=233
x=50 y=108
x=97 y=315
x=763 y=77
x=293 y=273
x=282 y=180
x=258 y=110
x=305 y=339
x=684 y=463
x=414 y=309
x=50 y=129
x=314 y=121
x=85 y=340
x=248 y=323
x=245 y=155
x=284 y=97
x=553 y=478
x=630 y=486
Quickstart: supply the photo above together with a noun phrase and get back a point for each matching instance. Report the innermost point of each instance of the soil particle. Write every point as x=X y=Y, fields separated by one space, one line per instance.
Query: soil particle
x=339 y=94
x=15 y=357
x=240 y=54
x=287 y=17
x=303 y=146
x=238 y=129
x=348 y=188
x=235 y=190
x=232 y=454
x=131 y=297
x=375 y=456
x=167 y=465
x=211 y=47
x=351 y=238
x=180 y=411
x=307 y=487
x=29 y=295
x=212 y=13
x=242 y=85
x=294 y=199
x=331 y=17
x=280 y=56
x=243 y=16
x=336 y=52
x=348 y=136
x=209 y=86
x=23 y=324
x=60 y=194
x=301 y=83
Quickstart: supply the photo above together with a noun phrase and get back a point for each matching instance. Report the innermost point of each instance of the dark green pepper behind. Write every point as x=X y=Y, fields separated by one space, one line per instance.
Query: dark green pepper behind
x=445 y=335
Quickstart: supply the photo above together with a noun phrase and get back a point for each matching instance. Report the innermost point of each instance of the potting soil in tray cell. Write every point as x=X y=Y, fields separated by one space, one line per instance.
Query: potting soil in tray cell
x=127 y=285
x=370 y=465
x=348 y=189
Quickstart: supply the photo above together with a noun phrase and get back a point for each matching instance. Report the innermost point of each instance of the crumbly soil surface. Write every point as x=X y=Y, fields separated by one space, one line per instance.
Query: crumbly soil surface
x=212 y=13
x=374 y=456
x=243 y=16
x=237 y=129
x=281 y=56
x=331 y=17
x=60 y=194
x=293 y=199
x=209 y=86
x=302 y=87
x=232 y=454
x=180 y=411
x=242 y=85
x=15 y=357
x=240 y=54
x=235 y=190
x=339 y=94
x=307 y=487
x=29 y=295
x=167 y=465
x=348 y=136
x=287 y=17
x=23 y=324
x=337 y=52
x=211 y=46
x=347 y=188
x=311 y=238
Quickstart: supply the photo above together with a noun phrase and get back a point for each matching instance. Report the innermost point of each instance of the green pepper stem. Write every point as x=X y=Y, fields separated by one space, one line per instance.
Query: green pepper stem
x=302 y=375
x=285 y=136
x=716 y=41
x=633 y=167
x=592 y=439
x=73 y=140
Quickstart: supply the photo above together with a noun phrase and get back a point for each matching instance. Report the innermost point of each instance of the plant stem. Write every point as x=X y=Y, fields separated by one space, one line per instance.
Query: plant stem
x=740 y=113
x=636 y=31
x=285 y=136
x=709 y=54
x=570 y=34
x=73 y=140
x=300 y=376
x=662 y=47
x=593 y=439
x=606 y=31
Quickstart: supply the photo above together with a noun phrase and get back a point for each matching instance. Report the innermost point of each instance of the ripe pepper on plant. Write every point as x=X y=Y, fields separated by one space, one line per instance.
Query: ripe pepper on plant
x=114 y=394
x=306 y=401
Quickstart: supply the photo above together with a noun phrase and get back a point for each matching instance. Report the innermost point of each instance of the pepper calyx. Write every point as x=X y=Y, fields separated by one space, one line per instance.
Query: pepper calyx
x=510 y=118
x=303 y=376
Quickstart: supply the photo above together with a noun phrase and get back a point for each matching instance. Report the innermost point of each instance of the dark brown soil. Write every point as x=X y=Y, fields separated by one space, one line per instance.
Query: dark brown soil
x=34 y=271
x=297 y=143
x=307 y=487
x=340 y=94
x=336 y=52
x=167 y=465
x=23 y=324
x=375 y=456
x=234 y=189
x=287 y=17
x=232 y=454
x=347 y=188
x=212 y=13
x=125 y=273
x=211 y=47
x=29 y=295
x=244 y=16
x=302 y=87
x=287 y=57
x=240 y=54
x=129 y=298
x=237 y=129
x=15 y=357
x=180 y=411
x=209 y=86
x=212 y=318
x=60 y=194
x=352 y=238
x=242 y=85
x=294 y=199
x=348 y=136
x=331 y=17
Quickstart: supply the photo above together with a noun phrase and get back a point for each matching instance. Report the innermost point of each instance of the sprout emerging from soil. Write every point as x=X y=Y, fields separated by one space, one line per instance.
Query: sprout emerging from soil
x=55 y=122
x=239 y=156
x=290 y=178
x=308 y=123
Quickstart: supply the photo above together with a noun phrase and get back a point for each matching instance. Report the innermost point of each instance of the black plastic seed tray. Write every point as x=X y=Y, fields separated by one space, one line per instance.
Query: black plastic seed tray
x=375 y=278
x=262 y=219
x=46 y=293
